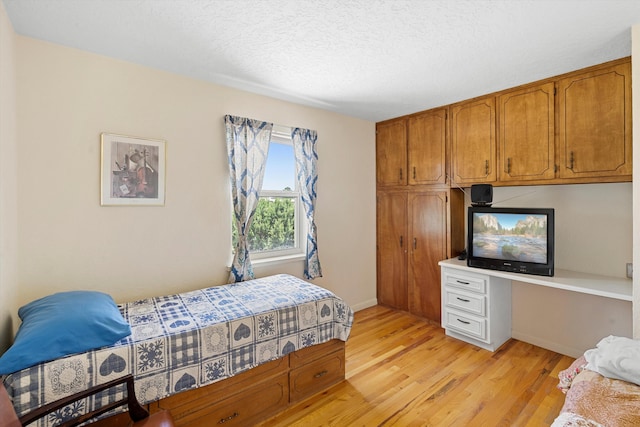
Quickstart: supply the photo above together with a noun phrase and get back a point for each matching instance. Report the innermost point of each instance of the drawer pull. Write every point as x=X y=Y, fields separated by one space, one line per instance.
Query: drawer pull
x=321 y=374
x=463 y=321
x=462 y=282
x=229 y=418
x=462 y=299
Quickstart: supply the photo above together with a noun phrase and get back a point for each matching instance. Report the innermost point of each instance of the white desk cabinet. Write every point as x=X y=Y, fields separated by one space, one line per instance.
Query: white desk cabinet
x=476 y=303
x=476 y=308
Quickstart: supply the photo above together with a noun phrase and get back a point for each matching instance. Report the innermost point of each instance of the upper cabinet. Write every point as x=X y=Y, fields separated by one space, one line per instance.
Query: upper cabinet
x=473 y=142
x=594 y=124
x=427 y=147
x=391 y=152
x=573 y=128
x=526 y=134
x=412 y=150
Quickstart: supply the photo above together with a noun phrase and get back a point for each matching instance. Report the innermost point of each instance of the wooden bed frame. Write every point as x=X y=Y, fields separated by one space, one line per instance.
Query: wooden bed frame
x=256 y=394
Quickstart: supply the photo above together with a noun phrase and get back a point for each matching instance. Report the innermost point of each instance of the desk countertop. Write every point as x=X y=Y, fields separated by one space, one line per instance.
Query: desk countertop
x=604 y=286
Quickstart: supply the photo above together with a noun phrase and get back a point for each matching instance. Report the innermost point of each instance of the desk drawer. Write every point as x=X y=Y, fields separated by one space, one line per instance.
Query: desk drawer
x=467 y=324
x=468 y=282
x=472 y=303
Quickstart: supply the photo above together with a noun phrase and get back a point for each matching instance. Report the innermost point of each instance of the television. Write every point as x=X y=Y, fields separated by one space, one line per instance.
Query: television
x=519 y=240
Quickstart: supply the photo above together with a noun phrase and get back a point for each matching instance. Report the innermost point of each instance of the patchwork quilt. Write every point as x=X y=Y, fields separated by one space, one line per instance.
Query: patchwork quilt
x=192 y=339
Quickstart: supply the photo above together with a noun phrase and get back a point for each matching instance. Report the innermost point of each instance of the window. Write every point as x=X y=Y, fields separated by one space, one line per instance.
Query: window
x=278 y=221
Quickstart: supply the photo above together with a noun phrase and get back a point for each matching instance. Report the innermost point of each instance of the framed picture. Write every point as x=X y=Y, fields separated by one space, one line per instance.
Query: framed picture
x=132 y=171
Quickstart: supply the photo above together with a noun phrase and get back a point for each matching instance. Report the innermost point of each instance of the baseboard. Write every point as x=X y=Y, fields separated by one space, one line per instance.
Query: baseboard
x=365 y=304
x=549 y=345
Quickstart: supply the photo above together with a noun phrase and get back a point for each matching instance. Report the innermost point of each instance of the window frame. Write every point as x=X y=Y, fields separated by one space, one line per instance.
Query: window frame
x=282 y=135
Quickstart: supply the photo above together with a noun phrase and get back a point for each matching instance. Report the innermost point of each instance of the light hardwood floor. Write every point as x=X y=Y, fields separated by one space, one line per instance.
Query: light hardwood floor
x=403 y=371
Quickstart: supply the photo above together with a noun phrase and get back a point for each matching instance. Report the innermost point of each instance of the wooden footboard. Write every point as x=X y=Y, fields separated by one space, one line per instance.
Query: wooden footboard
x=261 y=392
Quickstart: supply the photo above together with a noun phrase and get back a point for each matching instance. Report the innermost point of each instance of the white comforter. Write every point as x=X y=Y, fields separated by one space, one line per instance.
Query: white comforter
x=616 y=357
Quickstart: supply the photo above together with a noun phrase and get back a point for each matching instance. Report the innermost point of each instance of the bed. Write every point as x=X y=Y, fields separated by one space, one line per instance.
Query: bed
x=601 y=386
x=191 y=350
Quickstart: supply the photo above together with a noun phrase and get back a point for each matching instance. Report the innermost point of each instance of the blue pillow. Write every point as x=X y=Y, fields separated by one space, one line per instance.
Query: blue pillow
x=63 y=324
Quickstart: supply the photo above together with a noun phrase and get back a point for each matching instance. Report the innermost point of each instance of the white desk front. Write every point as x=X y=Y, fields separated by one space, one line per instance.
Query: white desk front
x=476 y=303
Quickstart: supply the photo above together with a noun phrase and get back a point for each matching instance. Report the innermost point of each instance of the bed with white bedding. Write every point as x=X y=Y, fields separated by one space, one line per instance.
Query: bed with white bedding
x=193 y=339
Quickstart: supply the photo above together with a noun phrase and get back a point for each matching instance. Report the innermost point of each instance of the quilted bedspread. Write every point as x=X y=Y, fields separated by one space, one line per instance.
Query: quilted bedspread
x=192 y=339
x=595 y=401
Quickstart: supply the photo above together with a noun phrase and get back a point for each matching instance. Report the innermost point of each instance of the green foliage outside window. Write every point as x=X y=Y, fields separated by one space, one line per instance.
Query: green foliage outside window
x=273 y=226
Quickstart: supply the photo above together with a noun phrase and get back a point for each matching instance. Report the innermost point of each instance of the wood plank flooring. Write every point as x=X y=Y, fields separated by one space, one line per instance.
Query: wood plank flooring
x=404 y=371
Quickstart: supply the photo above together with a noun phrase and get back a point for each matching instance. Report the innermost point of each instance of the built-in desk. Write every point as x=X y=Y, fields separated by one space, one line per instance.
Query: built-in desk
x=476 y=303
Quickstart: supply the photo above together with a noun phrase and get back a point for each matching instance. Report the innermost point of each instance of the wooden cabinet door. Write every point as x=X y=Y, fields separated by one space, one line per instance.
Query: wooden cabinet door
x=594 y=123
x=527 y=134
x=473 y=142
x=391 y=153
x=427 y=141
x=427 y=246
x=392 y=250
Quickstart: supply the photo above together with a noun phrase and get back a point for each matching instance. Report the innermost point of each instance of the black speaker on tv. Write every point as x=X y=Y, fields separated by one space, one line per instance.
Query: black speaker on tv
x=481 y=195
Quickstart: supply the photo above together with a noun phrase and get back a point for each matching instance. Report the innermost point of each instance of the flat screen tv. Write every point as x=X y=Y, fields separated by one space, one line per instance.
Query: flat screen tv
x=519 y=240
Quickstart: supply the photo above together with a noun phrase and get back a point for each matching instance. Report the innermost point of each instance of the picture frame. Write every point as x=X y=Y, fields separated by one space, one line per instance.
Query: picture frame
x=133 y=171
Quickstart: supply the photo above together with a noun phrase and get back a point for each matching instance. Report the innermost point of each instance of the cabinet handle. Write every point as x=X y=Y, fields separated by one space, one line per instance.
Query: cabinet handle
x=414 y=172
x=321 y=374
x=400 y=174
x=486 y=167
x=229 y=418
x=571 y=160
x=400 y=241
x=463 y=321
x=461 y=282
x=509 y=165
x=415 y=243
x=462 y=299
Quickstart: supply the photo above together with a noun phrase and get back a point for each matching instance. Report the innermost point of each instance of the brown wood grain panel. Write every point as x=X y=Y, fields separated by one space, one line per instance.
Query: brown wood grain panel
x=316 y=376
x=594 y=120
x=391 y=153
x=428 y=245
x=427 y=143
x=392 y=241
x=527 y=134
x=473 y=141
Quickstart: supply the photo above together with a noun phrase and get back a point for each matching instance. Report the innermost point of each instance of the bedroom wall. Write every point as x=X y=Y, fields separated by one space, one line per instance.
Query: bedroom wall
x=67 y=241
x=593 y=223
x=67 y=97
x=593 y=234
x=8 y=161
x=598 y=233
x=635 y=96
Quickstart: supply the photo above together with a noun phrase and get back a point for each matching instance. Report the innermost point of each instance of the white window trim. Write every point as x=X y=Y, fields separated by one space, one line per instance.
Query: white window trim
x=277 y=260
x=282 y=135
x=301 y=226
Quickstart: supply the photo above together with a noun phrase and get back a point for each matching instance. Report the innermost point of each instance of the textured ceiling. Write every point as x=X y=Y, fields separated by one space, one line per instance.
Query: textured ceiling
x=373 y=59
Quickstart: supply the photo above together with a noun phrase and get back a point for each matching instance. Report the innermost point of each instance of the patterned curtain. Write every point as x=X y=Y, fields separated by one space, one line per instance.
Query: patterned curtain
x=304 y=147
x=247 y=147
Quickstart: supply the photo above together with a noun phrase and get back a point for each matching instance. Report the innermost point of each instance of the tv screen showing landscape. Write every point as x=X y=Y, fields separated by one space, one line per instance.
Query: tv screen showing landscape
x=510 y=236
